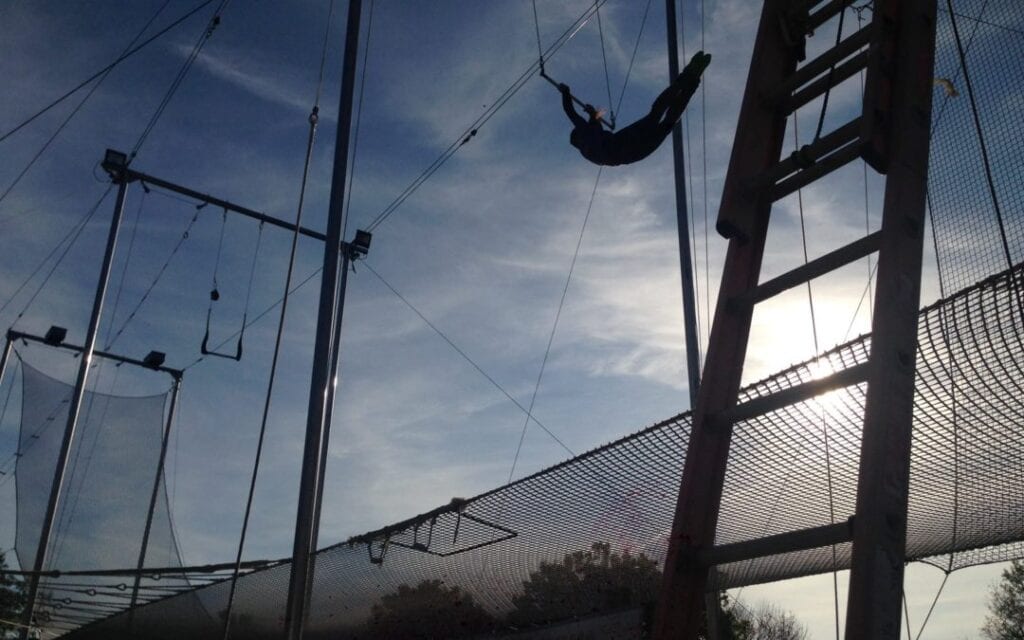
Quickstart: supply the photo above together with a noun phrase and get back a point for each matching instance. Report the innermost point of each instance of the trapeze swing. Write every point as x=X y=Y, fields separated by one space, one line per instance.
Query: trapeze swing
x=215 y=297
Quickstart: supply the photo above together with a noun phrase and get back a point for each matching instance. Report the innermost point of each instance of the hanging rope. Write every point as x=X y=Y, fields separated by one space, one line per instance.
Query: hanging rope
x=604 y=58
x=554 y=327
x=824 y=421
x=313 y=121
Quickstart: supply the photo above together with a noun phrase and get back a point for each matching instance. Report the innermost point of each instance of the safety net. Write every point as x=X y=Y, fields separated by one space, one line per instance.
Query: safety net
x=505 y=554
x=589 y=535
x=105 y=502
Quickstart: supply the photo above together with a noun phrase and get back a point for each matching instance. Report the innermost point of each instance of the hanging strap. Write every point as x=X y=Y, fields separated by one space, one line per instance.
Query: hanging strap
x=215 y=296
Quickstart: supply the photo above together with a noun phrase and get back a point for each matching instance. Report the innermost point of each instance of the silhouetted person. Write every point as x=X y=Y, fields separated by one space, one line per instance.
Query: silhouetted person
x=640 y=139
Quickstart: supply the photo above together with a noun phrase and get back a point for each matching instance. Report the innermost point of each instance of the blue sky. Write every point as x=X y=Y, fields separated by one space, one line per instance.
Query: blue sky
x=482 y=249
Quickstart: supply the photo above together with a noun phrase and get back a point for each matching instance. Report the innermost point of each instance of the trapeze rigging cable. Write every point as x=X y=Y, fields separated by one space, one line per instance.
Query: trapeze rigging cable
x=981 y=137
x=568 y=279
x=104 y=70
x=543 y=72
x=81 y=103
x=215 y=296
x=313 y=120
x=76 y=231
x=470 y=132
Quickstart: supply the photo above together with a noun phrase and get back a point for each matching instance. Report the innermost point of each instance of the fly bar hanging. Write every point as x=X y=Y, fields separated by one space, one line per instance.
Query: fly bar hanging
x=215 y=296
x=610 y=123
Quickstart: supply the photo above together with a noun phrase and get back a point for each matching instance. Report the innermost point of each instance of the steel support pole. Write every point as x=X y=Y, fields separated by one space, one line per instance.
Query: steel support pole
x=304 y=546
x=712 y=604
x=74 y=409
x=5 y=357
x=157 y=484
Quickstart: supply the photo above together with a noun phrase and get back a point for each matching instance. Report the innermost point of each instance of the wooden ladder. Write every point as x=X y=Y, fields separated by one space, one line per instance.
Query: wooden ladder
x=896 y=48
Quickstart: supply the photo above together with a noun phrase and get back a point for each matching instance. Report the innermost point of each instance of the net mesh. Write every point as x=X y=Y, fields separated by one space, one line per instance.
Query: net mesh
x=967 y=470
x=966 y=493
x=105 y=500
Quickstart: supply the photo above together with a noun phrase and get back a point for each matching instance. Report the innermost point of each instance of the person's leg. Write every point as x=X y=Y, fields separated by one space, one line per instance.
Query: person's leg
x=678 y=103
x=663 y=102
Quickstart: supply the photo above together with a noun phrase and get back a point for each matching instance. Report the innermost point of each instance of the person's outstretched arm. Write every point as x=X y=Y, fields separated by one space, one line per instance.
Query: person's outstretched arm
x=567 y=106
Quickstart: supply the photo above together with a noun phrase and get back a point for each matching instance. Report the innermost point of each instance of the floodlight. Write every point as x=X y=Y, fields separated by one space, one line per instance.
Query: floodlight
x=114 y=162
x=361 y=243
x=55 y=336
x=154 y=359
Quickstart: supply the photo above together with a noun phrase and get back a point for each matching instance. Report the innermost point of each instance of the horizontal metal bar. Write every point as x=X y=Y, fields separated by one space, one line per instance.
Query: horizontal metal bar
x=822 y=84
x=823 y=63
x=18 y=335
x=809 y=154
x=789 y=542
x=813 y=269
x=799 y=393
x=822 y=168
x=131 y=174
x=826 y=13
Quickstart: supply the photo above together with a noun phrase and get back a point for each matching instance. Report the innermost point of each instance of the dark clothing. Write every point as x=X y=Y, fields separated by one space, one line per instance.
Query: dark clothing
x=638 y=140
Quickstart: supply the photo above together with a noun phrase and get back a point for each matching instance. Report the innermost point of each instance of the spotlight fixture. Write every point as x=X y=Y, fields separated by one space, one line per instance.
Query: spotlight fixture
x=55 y=336
x=361 y=243
x=154 y=359
x=114 y=163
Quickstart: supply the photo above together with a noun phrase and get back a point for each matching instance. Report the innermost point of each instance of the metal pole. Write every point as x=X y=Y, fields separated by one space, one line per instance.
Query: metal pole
x=3 y=358
x=346 y=257
x=305 y=526
x=157 y=484
x=682 y=221
x=74 y=408
x=712 y=601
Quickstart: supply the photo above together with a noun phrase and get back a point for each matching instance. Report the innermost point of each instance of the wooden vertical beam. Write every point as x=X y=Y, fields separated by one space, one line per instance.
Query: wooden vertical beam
x=744 y=218
x=879 y=543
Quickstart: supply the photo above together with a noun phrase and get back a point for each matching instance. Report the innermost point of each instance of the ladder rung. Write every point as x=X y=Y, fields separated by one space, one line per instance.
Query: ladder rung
x=840 y=158
x=810 y=154
x=799 y=393
x=813 y=269
x=821 y=85
x=789 y=542
x=823 y=15
x=822 y=64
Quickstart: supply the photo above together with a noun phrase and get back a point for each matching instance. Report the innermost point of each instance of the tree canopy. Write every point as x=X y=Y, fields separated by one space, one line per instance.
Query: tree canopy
x=585 y=583
x=12 y=599
x=1005 y=619
x=431 y=609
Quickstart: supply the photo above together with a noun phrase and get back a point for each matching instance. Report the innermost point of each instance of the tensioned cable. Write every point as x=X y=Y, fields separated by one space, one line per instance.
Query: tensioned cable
x=824 y=421
x=346 y=212
x=105 y=69
x=258 y=317
x=694 y=258
x=124 y=270
x=831 y=73
x=554 y=327
x=937 y=118
x=466 y=357
x=152 y=285
x=864 y=168
x=935 y=601
x=79 y=106
x=481 y=120
x=981 y=136
x=73 y=231
x=135 y=149
x=704 y=190
x=572 y=267
x=313 y=120
x=67 y=249
x=180 y=77
x=604 y=58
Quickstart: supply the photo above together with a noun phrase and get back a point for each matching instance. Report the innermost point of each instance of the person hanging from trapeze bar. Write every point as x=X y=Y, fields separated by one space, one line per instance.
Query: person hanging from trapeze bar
x=640 y=139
